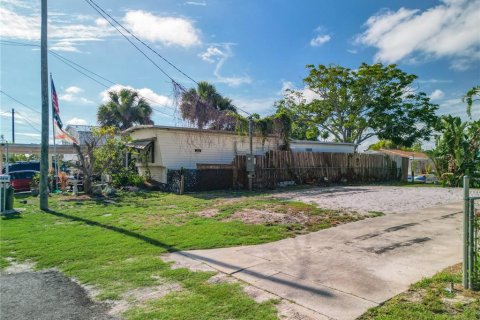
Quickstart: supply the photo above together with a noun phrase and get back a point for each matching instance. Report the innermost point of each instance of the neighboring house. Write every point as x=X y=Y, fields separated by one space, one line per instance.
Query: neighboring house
x=80 y=132
x=171 y=148
x=421 y=162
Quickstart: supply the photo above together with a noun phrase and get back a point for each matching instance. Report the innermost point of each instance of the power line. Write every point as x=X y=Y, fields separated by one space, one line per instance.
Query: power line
x=24 y=118
x=74 y=66
x=21 y=103
x=104 y=14
x=142 y=42
x=131 y=42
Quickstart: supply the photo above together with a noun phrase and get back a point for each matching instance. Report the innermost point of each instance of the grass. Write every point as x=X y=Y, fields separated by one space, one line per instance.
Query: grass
x=432 y=299
x=115 y=245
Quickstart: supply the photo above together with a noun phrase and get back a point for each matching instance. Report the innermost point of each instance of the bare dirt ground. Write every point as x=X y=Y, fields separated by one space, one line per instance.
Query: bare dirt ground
x=386 y=199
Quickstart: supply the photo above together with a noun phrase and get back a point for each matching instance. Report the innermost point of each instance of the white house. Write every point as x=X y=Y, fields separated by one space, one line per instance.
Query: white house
x=171 y=148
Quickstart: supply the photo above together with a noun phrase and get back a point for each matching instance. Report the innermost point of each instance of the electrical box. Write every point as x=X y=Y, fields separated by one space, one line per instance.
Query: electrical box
x=250 y=163
x=5 y=192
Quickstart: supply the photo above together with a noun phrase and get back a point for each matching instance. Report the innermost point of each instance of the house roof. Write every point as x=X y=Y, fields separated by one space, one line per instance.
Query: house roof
x=141 y=127
x=406 y=154
x=322 y=142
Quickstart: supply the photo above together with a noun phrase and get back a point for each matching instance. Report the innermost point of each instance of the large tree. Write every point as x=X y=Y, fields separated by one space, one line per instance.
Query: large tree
x=354 y=105
x=125 y=108
x=293 y=105
x=205 y=108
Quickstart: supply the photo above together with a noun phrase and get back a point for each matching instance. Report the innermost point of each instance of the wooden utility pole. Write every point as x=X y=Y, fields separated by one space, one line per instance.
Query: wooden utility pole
x=45 y=113
x=13 y=125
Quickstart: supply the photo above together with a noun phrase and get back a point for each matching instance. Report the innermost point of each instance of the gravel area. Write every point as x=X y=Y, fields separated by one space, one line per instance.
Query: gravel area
x=385 y=199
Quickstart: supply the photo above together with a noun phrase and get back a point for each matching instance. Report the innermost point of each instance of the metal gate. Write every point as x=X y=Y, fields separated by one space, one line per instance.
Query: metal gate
x=471 y=234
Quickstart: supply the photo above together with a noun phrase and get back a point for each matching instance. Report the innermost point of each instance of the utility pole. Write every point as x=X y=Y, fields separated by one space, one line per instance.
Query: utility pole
x=13 y=125
x=45 y=113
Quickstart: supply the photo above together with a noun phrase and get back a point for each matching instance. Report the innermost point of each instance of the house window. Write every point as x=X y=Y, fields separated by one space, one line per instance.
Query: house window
x=198 y=150
x=308 y=150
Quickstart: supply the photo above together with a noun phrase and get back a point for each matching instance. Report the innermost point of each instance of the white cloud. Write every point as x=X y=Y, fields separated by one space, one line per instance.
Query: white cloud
x=154 y=99
x=66 y=32
x=74 y=90
x=77 y=121
x=101 y=22
x=437 y=95
x=449 y=29
x=307 y=94
x=219 y=54
x=262 y=106
x=72 y=94
x=196 y=3
x=456 y=107
x=319 y=40
x=162 y=29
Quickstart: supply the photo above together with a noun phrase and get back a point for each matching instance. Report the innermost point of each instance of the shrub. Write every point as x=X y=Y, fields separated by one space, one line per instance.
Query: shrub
x=127 y=179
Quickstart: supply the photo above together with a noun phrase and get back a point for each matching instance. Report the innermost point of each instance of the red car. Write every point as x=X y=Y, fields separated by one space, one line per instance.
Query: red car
x=20 y=180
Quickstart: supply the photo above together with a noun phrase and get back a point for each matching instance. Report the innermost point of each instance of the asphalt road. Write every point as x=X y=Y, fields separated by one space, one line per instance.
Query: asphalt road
x=46 y=295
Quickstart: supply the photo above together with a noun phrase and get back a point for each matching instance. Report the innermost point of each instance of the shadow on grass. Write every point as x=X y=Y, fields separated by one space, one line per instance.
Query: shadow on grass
x=194 y=256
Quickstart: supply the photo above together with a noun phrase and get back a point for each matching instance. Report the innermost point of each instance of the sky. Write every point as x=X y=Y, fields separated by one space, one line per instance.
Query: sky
x=250 y=50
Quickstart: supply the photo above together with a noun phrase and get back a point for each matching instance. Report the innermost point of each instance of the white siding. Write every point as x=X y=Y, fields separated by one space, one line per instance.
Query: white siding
x=321 y=147
x=175 y=149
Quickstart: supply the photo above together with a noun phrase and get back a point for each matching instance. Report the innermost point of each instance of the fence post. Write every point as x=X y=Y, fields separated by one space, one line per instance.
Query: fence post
x=466 y=229
x=471 y=243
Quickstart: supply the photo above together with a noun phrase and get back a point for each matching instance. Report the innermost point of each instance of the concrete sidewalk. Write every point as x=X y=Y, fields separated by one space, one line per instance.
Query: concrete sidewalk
x=339 y=273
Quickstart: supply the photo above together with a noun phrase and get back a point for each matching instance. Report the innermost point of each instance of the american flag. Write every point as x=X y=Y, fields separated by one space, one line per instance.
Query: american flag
x=55 y=108
x=60 y=133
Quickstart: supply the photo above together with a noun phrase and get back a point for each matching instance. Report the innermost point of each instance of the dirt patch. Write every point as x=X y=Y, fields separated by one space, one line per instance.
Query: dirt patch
x=255 y=216
x=141 y=296
x=18 y=267
x=208 y=213
x=77 y=198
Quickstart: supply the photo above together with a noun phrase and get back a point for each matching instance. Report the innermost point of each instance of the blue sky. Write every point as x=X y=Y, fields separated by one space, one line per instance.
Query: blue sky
x=251 y=50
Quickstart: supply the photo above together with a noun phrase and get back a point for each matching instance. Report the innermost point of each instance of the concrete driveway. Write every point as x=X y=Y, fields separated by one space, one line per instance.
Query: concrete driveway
x=340 y=272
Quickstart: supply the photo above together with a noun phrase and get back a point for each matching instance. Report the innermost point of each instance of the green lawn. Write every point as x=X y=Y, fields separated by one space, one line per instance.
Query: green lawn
x=431 y=299
x=115 y=245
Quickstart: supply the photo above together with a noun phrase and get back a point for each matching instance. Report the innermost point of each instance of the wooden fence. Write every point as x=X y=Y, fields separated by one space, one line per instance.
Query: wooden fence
x=277 y=167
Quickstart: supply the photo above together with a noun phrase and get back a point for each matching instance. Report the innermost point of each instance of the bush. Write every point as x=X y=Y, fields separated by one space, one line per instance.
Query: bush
x=127 y=179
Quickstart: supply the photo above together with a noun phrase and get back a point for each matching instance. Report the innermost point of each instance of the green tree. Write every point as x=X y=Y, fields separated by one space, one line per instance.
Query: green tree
x=354 y=105
x=469 y=98
x=125 y=109
x=293 y=105
x=204 y=107
x=456 y=149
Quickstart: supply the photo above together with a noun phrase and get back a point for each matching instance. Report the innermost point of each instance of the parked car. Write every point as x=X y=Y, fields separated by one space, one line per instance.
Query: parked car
x=23 y=166
x=20 y=180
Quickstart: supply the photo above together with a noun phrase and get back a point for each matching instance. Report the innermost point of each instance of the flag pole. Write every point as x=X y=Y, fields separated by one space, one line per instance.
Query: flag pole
x=55 y=167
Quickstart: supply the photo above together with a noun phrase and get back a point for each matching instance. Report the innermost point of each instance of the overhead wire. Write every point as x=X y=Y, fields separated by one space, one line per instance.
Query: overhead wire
x=19 y=102
x=104 y=14
x=77 y=67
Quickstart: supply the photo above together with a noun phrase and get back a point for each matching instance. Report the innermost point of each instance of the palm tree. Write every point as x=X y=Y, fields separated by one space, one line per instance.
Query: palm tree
x=205 y=107
x=469 y=98
x=125 y=109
